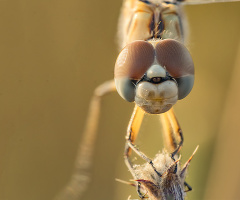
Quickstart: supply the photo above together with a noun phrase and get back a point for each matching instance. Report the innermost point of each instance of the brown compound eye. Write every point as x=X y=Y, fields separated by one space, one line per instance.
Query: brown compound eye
x=132 y=63
x=134 y=60
x=175 y=57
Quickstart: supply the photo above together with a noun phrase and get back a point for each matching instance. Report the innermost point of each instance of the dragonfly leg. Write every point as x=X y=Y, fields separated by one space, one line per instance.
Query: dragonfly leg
x=133 y=129
x=172 y=132
x=132 y=132
x=81 y=176
x=138 y=152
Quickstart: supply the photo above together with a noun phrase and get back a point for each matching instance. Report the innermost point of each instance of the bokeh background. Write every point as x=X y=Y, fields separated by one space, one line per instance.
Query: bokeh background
x=52 y=56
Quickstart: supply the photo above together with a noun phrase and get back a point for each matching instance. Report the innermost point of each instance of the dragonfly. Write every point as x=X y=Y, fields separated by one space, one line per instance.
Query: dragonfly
x=154 y=70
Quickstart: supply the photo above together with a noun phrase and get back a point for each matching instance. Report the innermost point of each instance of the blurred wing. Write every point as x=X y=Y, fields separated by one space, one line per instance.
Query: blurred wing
x=195 y=2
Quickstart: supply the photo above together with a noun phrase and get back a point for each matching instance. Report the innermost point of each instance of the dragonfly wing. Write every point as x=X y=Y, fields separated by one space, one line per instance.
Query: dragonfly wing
x=195 y=2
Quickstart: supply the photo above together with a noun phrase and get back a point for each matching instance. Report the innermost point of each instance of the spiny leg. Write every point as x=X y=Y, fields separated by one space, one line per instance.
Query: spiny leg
x=81 y=177
x=170 y=142
x=176 y=129
x=132 y=132
x=172 y=132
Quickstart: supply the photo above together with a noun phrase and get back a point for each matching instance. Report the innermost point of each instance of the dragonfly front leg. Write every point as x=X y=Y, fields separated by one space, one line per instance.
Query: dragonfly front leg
x=172 y=132
x=129 y=145
x=132 y=132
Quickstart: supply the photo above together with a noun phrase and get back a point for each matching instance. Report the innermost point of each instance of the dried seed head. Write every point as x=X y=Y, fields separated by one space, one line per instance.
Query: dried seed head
x=168 y=186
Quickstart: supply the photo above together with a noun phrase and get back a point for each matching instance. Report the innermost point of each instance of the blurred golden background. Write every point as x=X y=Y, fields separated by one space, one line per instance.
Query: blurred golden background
x=53 y=55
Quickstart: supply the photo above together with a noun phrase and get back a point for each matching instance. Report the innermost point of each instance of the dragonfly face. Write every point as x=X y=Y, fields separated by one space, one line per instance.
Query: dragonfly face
x=154 y=74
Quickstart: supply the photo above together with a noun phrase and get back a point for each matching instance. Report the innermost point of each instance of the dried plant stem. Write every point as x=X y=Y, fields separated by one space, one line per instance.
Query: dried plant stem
x=81 y=176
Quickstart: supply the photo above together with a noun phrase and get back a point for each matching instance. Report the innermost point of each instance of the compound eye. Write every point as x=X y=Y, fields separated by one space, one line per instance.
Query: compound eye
x=132 y=63
x=175 y=57
x=134 y=60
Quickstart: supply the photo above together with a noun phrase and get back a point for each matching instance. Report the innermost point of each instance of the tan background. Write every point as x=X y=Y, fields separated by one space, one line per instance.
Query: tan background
x=52 y=56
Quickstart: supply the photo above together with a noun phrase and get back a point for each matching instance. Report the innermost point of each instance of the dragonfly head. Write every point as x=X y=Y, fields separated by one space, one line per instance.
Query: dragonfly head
x=154 y=75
